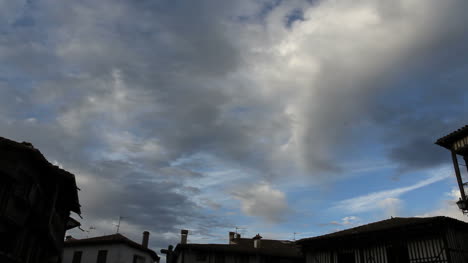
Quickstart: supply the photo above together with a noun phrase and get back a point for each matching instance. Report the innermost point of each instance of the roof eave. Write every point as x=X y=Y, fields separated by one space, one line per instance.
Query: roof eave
x=447 y=140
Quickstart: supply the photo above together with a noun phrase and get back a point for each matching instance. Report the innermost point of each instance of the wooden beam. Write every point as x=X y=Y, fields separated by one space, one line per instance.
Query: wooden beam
x=457 y=174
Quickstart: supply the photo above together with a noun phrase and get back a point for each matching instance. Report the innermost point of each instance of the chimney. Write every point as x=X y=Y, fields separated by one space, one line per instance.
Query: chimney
x=257 y=239
x=169 y=252
x=231 y=237
x=183 y=236
x=238 y=236
x=145 y=240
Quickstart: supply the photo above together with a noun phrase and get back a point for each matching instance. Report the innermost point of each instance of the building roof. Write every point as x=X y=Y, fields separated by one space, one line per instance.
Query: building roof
x=450 y=138
x=110 y=239
x=279 y=248
x=71 y=223
x=33 y=156
x=405 y=224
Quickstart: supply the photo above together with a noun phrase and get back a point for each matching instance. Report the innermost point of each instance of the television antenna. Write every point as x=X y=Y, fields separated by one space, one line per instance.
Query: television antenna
x=237 y=228
x=89 y=230
x=294 y=238
x=118 y=224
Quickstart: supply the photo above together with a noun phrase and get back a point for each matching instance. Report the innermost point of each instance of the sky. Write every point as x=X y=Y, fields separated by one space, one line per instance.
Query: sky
x=286 y=118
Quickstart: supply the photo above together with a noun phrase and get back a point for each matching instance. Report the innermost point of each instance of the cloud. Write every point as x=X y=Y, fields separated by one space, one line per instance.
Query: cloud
x=113 y=188
x=256 y=93
x=121 y=92
x=263 y=201
x=388 y=199
x=391 y=206
x=345 y=222
x=349 y=220
x=10 y=11
x=448 y=207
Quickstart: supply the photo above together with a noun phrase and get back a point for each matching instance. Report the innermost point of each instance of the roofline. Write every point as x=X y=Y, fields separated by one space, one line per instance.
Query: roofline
x=441 y=220
x=448 y=139
x=93 y=242
x=233 y=248
x=40 y=159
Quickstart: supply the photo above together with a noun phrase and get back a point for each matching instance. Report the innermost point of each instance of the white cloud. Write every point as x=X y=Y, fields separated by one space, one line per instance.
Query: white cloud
x=349 y=220
x=110 y=100
x=123 y=145
x=391 y=206
x=324 y=70
x=448 y=207
x=388 y=199
x=263 y=201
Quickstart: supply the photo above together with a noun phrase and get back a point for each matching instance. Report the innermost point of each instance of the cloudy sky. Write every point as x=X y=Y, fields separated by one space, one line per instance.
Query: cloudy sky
x=276 y=117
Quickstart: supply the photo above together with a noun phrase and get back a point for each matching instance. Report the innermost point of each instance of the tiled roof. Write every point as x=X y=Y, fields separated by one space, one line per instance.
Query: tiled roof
x=387 y=225
x=109 y=239
x=280 y=248
x=448 y=139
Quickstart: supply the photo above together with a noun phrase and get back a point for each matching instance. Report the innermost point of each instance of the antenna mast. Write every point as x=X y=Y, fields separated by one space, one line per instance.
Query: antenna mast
x=295 y=235
x=118 y=224
x=89 y=230
x=237 y=228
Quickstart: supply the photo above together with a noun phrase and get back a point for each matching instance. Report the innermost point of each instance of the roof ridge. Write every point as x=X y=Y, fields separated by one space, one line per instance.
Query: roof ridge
x=117 y=238
x=383 y=225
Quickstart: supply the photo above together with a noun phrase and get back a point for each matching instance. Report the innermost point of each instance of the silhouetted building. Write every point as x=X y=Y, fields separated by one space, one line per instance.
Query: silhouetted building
x=239 y=250
x=457 y=143
x=108 y=249
x=36 y=198
x=411 y=240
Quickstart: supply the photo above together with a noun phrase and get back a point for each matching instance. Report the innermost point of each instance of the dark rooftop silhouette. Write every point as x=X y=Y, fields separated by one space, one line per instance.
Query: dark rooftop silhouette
x=448 y=139
x=110 y=239
x=281 y=248
x=391 y=224
x=50 y=172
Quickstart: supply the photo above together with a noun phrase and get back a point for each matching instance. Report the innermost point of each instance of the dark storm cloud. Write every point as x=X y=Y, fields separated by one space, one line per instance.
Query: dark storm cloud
x=409 y=98
x=116 y=91
x=427 y=100
x=108 y=66
x=144 y=200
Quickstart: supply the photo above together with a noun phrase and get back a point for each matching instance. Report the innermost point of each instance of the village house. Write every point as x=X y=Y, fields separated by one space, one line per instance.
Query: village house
x=239 y=250
x=114 y=248
x=411 y=240
x=36 y=199
x=457 y=143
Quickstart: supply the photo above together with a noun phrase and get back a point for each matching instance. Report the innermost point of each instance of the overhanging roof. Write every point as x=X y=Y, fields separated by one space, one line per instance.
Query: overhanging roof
x=450 y=138
x=48 y=171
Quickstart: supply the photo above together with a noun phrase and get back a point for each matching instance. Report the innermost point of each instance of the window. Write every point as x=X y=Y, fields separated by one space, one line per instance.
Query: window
x=397 y=253
x=102 y=256
x=244 y=259
x=5 y=187
x=200 y=257
x=219 y=259
x=346 y=257
x=77 y=256
x=138 y=259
